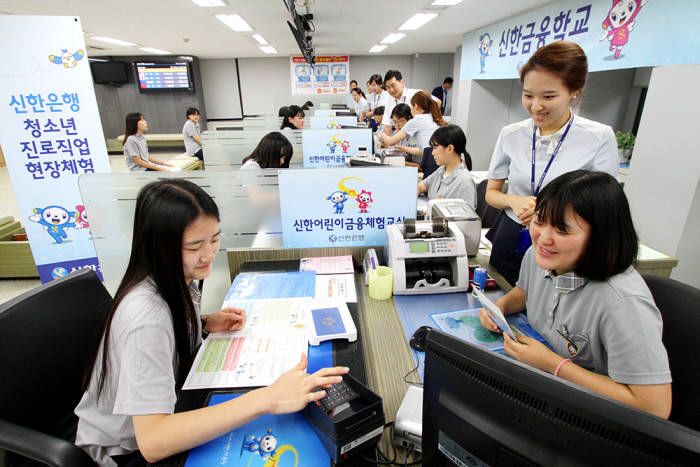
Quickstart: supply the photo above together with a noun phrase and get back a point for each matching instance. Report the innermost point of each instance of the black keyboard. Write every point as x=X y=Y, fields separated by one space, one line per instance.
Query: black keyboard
x=337 y=395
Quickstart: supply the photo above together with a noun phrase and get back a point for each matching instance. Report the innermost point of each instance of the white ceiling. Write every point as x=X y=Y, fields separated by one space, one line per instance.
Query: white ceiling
x=342 y=26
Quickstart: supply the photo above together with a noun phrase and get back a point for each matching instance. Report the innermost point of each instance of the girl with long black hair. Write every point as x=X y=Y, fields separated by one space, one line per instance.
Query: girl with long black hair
x=126 y=415
x=272 y=152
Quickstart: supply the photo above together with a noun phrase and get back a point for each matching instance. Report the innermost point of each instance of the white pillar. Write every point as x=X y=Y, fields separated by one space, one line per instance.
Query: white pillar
x=663 y=185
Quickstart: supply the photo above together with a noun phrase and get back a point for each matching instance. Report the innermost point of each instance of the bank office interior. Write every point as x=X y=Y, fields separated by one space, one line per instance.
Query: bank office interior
x=660 y=103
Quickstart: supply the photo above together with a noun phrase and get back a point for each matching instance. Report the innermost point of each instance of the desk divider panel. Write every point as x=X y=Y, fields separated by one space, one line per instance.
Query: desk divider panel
x=225 y=150
x=248 y=204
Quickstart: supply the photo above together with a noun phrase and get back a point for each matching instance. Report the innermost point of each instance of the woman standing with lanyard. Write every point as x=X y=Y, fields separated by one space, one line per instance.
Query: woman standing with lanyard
x=531 y=153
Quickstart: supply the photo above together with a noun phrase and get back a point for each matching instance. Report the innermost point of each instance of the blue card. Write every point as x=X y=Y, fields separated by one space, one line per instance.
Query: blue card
x=328 y=321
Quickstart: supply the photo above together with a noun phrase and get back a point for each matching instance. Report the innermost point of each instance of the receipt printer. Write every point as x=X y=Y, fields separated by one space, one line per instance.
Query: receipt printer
x=348 y=420
x=459 y=213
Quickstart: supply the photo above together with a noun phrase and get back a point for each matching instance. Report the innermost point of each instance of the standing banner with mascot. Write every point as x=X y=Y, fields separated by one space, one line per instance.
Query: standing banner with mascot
x=51 y=134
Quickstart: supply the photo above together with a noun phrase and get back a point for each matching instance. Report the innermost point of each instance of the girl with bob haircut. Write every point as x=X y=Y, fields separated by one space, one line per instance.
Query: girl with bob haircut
x=603 y=324
x=452 y=178
x=153 y=329
x=292 y=117
x=426 y=119
x=531 y=153
x=138 y=159
x=274 y=151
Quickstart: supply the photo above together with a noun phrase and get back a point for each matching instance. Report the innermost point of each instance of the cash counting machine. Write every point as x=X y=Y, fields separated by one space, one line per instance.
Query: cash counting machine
x=427 y=257
x=459 y=213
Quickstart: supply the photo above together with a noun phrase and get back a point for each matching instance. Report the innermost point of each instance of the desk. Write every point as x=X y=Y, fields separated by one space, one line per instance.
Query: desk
x=387 y=357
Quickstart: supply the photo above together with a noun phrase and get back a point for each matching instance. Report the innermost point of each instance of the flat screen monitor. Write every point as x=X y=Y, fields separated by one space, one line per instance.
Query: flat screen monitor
x=481 y=408
x=164 y=77
x=109 y=72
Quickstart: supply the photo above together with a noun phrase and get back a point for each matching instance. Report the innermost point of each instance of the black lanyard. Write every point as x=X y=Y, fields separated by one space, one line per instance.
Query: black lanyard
x=551 y=159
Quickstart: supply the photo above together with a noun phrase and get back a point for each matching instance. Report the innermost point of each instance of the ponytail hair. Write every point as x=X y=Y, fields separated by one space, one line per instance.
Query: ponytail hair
x=425 y=101
x=452 y=134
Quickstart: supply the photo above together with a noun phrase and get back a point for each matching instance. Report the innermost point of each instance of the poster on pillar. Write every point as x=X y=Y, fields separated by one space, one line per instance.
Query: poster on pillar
x=329 y=75
x=614 y=34
x=51 y=134
x=344 y=207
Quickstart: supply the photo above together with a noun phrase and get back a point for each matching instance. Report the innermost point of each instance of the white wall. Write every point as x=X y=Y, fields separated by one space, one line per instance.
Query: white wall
x=663 y=184
x=266 y=84
x=492 y=104
x=220 y=88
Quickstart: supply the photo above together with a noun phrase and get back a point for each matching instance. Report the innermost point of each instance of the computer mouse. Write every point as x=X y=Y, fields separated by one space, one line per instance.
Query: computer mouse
x=418 y=338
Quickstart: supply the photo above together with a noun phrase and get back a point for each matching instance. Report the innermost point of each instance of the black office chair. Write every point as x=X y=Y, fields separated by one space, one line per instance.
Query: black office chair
x=678 y=304
x=46 y=336
x=428 y=164
x=486 y=212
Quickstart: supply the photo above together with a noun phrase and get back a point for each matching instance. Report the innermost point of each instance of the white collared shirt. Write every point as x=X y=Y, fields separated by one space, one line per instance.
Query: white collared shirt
x=589 y=145
x=378 y=100
x=421 y=128
x=392 y=102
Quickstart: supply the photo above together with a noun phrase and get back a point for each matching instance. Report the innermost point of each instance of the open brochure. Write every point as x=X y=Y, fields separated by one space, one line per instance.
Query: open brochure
x=274 y=337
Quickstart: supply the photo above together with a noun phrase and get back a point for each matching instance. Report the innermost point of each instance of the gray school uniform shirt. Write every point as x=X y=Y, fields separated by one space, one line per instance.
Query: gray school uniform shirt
x=135 y=145
x=141 y=377
x=614 y=324
x=457 y=184
x=189 y=130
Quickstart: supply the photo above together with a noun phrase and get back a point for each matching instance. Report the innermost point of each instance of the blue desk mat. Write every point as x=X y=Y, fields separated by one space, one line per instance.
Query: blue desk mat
x=415 y=310
x=296 y=443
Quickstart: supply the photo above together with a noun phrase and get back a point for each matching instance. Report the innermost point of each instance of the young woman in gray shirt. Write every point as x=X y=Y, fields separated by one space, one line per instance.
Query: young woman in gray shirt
x=127 y=413
x=583 y=295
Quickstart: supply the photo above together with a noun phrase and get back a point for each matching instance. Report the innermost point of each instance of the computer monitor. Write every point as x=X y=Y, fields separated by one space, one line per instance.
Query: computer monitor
x=481 y=408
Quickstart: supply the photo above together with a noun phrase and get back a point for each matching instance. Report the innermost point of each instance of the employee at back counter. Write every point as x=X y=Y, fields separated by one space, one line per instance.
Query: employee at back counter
x=533 y=152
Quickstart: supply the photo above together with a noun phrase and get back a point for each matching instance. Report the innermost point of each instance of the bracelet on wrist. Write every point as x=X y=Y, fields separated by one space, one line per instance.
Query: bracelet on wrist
x=556 y=371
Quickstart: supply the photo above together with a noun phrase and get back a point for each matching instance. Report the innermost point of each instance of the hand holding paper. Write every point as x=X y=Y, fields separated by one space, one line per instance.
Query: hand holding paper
x=494 y=313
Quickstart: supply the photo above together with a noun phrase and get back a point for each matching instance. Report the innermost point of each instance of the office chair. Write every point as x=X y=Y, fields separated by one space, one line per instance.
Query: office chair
x=428 y=164
x=678 y=304
x=486 y=212
x=46 y=337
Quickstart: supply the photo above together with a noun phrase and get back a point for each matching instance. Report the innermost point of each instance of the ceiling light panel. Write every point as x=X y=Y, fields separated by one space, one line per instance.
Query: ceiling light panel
x=209 y=3
x=392 y=38
x=261 y=40
x=268 y=49
x=377 y=48
x=416 y=21
x=110 y=40
x=235 y=22
x=155 y=51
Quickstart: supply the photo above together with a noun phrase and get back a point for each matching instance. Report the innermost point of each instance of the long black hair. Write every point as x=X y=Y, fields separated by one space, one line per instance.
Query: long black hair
x=164 y=209
x=291 y=112
x=453 y=134
x=132 y=124
x=270 y=149
x=598 y=199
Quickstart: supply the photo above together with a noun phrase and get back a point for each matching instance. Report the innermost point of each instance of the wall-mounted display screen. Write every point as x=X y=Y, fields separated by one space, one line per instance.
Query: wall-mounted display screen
x=109 y=72
x=158 y=77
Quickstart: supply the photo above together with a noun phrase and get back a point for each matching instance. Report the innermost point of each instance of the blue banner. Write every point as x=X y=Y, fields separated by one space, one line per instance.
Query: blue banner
x=51 y=134
x=614 y=34
x=330 y=148
x=344 y=207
